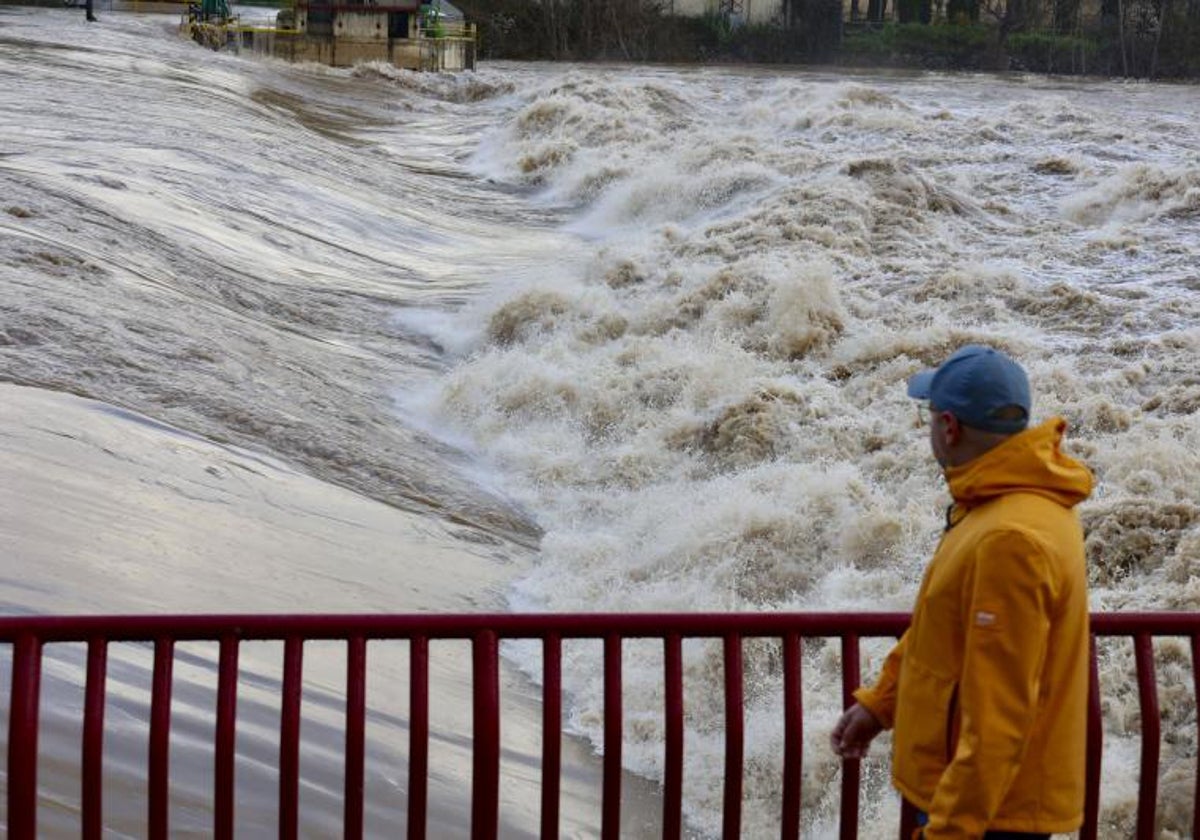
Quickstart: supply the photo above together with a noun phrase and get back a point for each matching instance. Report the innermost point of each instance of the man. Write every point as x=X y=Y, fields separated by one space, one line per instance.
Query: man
x=987 y=690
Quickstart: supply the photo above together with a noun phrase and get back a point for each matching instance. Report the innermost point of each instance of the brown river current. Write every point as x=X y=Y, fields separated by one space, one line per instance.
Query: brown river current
x=284 y=338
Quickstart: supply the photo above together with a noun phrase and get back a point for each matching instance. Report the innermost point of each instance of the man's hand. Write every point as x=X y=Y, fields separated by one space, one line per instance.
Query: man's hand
x=854 y=732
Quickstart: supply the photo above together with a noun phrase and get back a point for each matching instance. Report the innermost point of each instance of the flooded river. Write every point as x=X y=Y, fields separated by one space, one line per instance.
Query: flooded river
x=289 y=338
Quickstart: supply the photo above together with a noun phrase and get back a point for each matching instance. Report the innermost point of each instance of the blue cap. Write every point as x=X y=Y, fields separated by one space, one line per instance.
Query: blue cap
x=974 y=385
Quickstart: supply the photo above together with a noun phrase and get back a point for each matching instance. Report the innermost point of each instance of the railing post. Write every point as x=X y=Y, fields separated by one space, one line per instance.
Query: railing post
x=908 y=819
x=226 y=738
x=673 y=760
x=485 y=794
x=610 y=818
x=1095 y=749
x=23 y=738
x=793 y=736
x=356 y=710
x=289 y=739
x=1196 y=699
x=848 y=828
x=1151 y=735
x=734 y=737
x=551 y=733
x=93 y=738
x=160 y=738
x=418 y=737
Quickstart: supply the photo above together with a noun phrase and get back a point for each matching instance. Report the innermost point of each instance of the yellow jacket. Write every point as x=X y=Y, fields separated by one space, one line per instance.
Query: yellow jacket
x=987 y=690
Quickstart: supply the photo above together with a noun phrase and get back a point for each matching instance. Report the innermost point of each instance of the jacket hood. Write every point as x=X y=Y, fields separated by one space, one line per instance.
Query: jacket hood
x=1029 y=462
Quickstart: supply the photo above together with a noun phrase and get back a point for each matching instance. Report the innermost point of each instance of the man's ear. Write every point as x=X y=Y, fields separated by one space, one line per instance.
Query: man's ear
x=951 y=430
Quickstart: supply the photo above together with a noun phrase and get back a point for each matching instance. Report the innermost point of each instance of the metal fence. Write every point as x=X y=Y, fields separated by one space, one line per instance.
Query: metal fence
x=28 y=636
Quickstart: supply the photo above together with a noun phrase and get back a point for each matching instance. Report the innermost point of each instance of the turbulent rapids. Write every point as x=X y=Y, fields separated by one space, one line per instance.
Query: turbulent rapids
x=630 y=338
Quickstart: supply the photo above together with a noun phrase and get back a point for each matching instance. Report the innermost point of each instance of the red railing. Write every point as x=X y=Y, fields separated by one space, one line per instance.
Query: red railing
x=28 y=635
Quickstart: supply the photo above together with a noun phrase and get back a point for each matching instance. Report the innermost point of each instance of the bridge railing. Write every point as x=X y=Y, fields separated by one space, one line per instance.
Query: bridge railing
x=28 y=636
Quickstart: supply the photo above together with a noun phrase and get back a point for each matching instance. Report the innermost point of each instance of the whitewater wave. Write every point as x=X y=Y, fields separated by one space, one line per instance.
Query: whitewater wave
x=710 y=413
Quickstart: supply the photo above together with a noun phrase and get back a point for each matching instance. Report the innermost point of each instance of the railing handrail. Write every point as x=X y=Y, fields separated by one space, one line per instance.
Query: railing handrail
x=29 y=634
x=268 y=626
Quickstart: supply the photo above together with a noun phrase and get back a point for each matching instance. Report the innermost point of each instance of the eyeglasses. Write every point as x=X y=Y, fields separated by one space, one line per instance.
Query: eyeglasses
x=923 y=414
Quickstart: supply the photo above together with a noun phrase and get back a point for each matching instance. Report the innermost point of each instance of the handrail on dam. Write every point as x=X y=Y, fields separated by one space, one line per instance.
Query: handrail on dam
x=29 y=635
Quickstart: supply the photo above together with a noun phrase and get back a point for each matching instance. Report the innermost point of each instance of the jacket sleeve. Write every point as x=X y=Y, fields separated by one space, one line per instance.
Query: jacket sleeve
x=880 y=698
x=1008 y=600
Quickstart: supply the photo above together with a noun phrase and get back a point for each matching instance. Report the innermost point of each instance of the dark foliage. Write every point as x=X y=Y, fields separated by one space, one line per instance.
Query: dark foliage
x=641 y=30
x=1139 y=38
